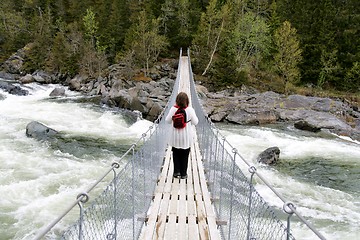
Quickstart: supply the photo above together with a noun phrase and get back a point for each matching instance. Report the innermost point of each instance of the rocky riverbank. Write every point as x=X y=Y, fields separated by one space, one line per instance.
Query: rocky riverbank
x=149 y=95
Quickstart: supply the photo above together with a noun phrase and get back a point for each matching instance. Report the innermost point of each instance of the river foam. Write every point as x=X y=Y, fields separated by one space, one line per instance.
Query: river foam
x=38 y=180
x=311 y=174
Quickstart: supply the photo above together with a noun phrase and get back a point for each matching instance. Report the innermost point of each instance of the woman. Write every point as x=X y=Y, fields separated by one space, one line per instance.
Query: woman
x=181 y=138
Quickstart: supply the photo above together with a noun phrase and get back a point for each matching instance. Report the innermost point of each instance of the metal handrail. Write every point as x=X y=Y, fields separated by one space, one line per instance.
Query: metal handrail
x=84 y=197
x=253 y=170
x=288 y=207
x=288 y=204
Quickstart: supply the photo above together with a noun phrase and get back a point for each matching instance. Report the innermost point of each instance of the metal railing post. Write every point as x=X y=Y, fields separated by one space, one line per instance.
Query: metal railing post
x=252 y=170
x=115 y=165
x=84 y=197
x=232 y=190
x=133 y=188
x=287 y=207
x=222 y=176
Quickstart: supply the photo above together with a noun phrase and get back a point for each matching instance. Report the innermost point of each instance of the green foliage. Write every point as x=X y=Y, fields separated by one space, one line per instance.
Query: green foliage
x=12 y=31
x=42 y=40
x=251 y=41
x=179 y=21
x=232 y=41
x=209 y=35
x=327 y=35
x=352 y=78
x=64 y=55
x=91 y=26
x=144 y=40
x=288 y=54
x=225 y=72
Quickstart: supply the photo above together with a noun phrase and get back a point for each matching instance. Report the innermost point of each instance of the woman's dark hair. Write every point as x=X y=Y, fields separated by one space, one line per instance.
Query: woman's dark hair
x=182 y=100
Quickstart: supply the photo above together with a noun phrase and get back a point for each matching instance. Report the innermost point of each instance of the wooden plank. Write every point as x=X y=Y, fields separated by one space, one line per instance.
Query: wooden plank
x=155 y=206
x=170 y=232
x=196 y=197
x=163 y=213
x=174 y=196
x=162 y=217
x=201 y=216
x=182 y=226
x=182 y=209
x=197 y=188
x=193 y=231
x=209 y=210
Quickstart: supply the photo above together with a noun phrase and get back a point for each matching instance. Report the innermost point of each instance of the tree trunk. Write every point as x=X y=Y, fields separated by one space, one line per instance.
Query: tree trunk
x=215 y=47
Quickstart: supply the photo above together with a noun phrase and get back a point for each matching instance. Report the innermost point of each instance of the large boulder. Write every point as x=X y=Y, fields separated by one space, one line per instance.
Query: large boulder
x=75 y=83
x=270 y=156
x=122 y=99
x=57 y=92
x=13 y=89
x=7 y=76
x=39 y=131
x=256 y=116
x=42 y=77
x=15 y=62
x=304 y=125
x=28 y=78
x=155 y=111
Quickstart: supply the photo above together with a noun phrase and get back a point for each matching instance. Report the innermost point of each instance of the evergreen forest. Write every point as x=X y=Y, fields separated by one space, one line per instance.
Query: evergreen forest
x=279 y=45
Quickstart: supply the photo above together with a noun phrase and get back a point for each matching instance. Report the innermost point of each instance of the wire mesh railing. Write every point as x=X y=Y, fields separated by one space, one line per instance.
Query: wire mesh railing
x=244 y=214
x=120 y=211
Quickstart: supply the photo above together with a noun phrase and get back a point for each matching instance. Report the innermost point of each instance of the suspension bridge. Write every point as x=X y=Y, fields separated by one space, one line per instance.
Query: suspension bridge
x=216 y=201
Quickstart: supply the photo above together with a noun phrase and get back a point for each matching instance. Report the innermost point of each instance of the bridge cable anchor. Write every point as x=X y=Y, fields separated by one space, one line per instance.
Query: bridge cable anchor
x=287 y=207
x=115 y=165
x=252 y=170
x=83 y=197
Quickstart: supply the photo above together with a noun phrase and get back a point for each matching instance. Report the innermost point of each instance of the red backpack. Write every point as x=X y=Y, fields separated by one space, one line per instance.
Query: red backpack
x=179 y=118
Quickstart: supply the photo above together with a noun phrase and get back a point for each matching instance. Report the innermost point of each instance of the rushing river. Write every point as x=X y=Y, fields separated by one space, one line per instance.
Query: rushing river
x=318 y=172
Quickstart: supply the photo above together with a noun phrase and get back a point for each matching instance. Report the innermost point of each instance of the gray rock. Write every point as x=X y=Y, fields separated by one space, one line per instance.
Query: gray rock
x=154 y=112
x=122 y=100
x=15 y=62
x=135 y=104
x=42 y=77
x=13 y=89
x=269 y=156
x=57 y=92
x=304 y=125
x=7 y=76
x=75 y=83
x=254 y=116
x=28 y=78
x=39 y=131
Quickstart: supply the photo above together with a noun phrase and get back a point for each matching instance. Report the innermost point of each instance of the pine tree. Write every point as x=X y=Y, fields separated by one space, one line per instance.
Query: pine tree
x=144 y=40
x=93 y=59
x=288 y=55
x=251 y=41
x=209 y=35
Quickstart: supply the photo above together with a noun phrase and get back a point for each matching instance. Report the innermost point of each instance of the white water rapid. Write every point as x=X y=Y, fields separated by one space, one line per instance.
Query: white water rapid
x=39 y=181
x=318 y=172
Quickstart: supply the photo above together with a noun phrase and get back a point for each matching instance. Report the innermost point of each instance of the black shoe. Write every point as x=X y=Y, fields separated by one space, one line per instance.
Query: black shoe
x=184 y=177
x=176 y=175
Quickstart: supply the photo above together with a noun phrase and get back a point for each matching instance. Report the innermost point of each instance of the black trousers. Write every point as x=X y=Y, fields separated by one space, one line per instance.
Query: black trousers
x=180 y=159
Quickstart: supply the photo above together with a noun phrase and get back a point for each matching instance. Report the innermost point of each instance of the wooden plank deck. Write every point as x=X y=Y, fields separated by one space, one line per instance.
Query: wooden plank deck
x=182 y=208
